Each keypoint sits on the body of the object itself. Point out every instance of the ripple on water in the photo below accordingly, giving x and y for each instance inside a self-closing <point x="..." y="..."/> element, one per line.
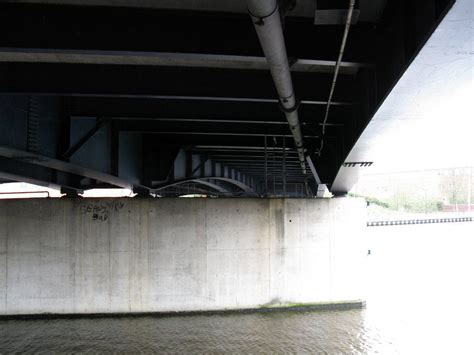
<point x="295" y="332"/>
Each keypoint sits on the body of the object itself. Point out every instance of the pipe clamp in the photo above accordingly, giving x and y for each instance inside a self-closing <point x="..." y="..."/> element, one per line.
<point x="291" y="109"/>
<point x="260" y="19"/>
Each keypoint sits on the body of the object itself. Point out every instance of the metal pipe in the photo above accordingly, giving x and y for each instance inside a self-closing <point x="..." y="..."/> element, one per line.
<point x="266" y="168"/>
<point x="284" y="169"/>
<point x="336" y="70"/>
<point x="266" y="19"/>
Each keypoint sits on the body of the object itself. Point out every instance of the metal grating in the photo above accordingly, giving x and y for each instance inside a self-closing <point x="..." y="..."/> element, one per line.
<point x="32" y="139"/>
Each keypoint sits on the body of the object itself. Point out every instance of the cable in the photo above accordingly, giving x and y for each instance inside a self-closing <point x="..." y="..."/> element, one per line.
<point x="336" y="71"/>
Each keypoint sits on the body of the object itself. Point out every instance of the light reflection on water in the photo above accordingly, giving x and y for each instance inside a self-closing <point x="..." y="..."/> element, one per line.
<point x="420" y="289"/>
<point x="418" y="301"/>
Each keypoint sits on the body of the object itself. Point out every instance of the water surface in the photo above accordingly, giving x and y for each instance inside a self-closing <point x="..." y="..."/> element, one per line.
<point x="420" y="297"/>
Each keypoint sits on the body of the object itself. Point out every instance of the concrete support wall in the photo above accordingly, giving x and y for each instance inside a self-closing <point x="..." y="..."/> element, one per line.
<point x="153" y="255"/>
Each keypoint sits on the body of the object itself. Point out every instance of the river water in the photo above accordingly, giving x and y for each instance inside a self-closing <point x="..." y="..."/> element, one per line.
<point x="419" y="300"/>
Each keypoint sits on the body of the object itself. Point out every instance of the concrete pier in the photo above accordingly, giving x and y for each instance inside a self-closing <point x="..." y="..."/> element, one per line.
<point x="163" y="255"/>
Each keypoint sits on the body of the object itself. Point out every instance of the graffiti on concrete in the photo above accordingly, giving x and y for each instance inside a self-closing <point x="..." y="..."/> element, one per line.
<point x="100" y="211"/>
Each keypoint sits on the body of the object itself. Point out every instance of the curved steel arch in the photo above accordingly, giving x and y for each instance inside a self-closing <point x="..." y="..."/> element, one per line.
<point x="203" y="181"/>
<point x="212" y="186"/>
<point x="237" y="183"/>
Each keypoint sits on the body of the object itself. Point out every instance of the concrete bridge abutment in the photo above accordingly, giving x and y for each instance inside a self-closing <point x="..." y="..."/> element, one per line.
<point x="84" y="256"/>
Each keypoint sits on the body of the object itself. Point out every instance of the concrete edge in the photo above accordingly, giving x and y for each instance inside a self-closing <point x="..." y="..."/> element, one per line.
<point x="338" y="306"/>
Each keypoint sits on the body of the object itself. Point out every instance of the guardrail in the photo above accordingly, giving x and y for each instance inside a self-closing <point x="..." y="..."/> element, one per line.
<point x="419" y="221"/>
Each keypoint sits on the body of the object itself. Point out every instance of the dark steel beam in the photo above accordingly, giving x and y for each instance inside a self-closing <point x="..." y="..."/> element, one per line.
<point x="210" y="129"/>
<point x="313" y="170"/>
<point x="211" y="120"/>
<point x="143" y="81"/>
<point x="300" y="9"/>
<point x="101" y="122"/>
<point x="190" y="133"/>
<point x="257" y="161"/>
<point x="272" y="169"/>
<point x="234" y="148"/>
<point x="153" y="30"/>
<point x="251" y="158"/>
<point x="219" y="140"/>
<point x="55" y="164"/>
<point x="197" y="109"/>
<point x="237" y="99"/>
<point x="22" y="171"/>
<point x="194" y="60"/>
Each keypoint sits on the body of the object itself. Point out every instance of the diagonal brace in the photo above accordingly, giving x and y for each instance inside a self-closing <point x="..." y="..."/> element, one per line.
<point x="101" y="122"/>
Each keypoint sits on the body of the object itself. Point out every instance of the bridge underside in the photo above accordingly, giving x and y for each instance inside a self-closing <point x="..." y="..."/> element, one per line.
<point x="178" y="99"/>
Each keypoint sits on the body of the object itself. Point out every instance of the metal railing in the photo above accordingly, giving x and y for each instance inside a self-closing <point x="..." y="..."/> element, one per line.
<point x="419" y="221"/>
